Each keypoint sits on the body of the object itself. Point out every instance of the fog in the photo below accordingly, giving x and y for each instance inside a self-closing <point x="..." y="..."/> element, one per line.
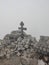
<point x="34" y="14"/>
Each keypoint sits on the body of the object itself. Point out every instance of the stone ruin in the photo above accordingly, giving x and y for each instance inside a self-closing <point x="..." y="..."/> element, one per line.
<point x="19" y="48"/>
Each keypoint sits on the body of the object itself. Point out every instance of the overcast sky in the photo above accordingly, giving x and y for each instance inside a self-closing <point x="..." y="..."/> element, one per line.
<point x="34" y="14"/>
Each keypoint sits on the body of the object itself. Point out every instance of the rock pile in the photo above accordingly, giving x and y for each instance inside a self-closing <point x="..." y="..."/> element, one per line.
<point x="13" y="44"/>
<point x="43" y="45"/>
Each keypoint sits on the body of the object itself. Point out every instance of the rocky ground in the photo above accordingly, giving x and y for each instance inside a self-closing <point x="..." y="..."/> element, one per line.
<point x="11" y="61"/>
<point x="17" y="60"/>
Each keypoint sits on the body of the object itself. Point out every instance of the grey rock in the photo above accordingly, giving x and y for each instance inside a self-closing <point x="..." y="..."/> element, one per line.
<point x="19" y="39"/>
<point x="26" y="46"/>
<point x="43" y="46"/>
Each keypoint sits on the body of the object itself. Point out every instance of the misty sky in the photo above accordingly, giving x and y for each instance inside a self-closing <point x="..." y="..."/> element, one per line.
<point x="34" y="14"/>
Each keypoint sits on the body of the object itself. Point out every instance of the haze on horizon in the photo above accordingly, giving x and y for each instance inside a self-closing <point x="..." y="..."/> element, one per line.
<point x="34" y="14"/>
